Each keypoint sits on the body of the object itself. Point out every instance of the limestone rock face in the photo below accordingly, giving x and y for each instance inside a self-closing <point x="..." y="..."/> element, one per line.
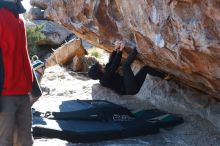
<point x="181" y="37"/>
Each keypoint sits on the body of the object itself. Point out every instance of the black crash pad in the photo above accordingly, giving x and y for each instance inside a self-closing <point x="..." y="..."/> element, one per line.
<point x="95" y="120"/>
<point x="90" y="131"/>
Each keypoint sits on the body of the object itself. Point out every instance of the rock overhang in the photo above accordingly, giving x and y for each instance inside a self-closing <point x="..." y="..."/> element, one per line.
<point x="180" y="37"/>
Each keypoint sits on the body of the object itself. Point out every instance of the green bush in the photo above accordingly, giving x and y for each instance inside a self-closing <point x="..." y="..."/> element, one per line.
<point x="95" y="54"/>
<point x="33" y="36"/>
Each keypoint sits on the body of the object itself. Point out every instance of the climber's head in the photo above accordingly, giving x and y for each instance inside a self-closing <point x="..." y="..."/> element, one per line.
<point x="13" y="5"/>
<point x="95" y="71"/>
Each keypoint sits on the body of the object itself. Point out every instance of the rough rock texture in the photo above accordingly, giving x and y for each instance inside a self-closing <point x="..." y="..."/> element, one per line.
<point x="35" y="14"/>
<point x="40" y="3"/>
<point x="77" y="64"/>
<point x="66" y="53"/>
<point x="55" y="34"/>
<point x="178" y="36"/>
<point x="174" y="97"/>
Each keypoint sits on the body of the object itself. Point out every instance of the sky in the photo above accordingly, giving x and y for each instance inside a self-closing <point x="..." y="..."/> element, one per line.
<point x="26" y="4"/>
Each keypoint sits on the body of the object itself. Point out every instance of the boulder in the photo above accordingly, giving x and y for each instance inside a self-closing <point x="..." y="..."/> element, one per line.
<point x="66" y="53"/>
<point x="40" y="3"/>
<point x="173" y="97"/>
<point x="181" y="37"/>
<point x="77" y="64"/>
<point x="35" y="14"/>
<point x="55" y="34"/>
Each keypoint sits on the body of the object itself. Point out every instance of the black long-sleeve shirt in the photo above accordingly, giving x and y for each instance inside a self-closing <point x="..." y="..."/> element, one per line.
<point x="111" y="78"/>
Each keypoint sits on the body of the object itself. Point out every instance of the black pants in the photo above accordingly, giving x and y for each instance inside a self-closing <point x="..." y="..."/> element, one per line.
<point x="133" y="82"/>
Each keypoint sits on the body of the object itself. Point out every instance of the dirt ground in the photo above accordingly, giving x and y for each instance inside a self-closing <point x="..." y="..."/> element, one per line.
<point x="60" y="84"/>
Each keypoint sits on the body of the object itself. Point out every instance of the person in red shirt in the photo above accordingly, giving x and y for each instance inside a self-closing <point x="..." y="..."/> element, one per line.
<point x="16" y="77"/>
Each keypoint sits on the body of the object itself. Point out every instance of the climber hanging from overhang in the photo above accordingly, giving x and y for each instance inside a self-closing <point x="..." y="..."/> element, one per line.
<point x="128" y="84"/>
